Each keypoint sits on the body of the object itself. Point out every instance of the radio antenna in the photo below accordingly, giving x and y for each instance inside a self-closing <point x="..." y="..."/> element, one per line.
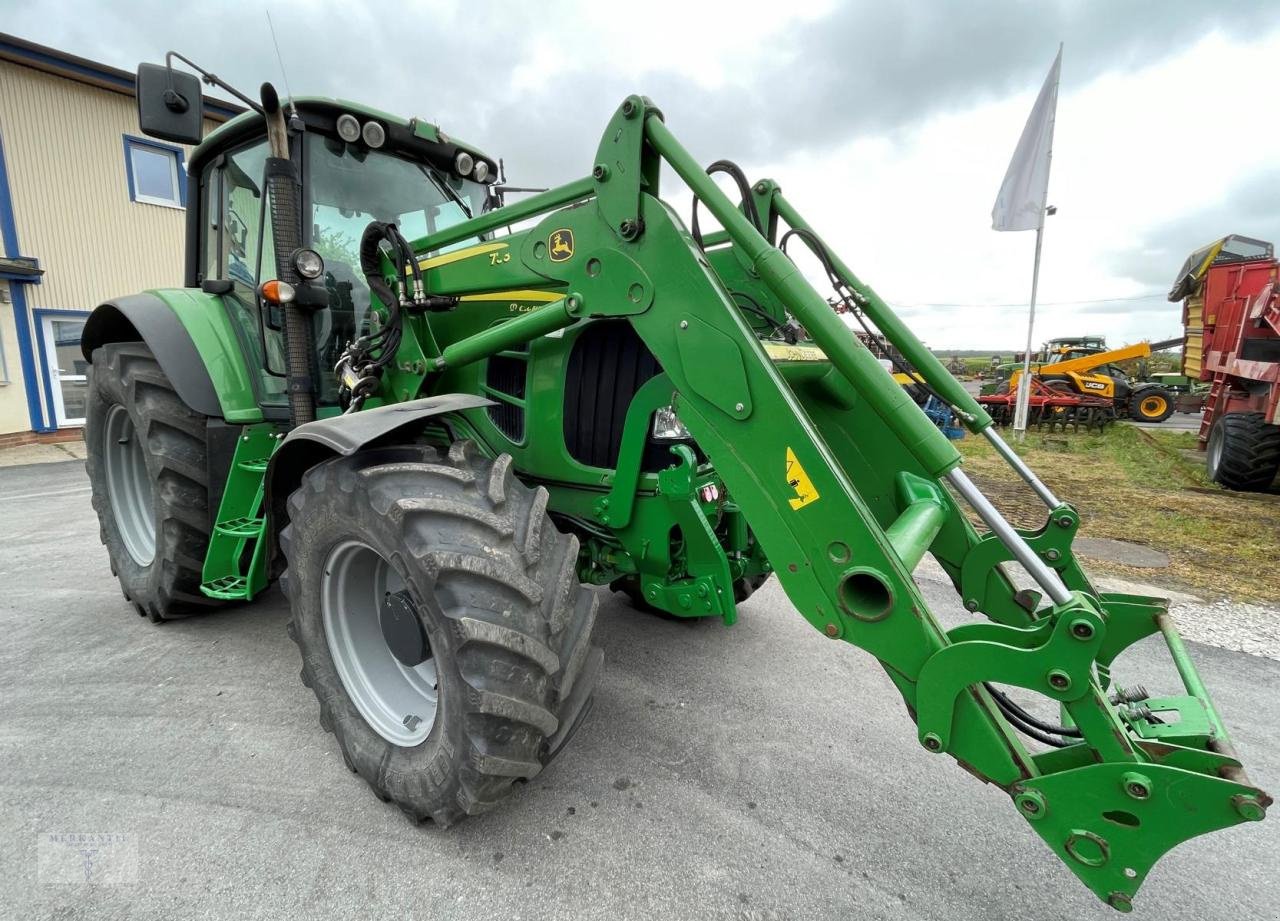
<point x="293" y="109"/>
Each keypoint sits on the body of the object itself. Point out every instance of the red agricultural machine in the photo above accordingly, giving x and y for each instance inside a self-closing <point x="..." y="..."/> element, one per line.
<point x="1231" y="313"/>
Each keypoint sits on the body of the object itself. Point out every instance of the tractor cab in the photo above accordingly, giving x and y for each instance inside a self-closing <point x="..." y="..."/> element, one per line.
<point x="282" y="199"/>
<point x="1068" y="348"/>
<point x="355" y="165"/>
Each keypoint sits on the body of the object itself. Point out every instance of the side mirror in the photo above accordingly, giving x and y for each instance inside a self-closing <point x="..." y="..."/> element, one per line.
<point x="170" y="104"/>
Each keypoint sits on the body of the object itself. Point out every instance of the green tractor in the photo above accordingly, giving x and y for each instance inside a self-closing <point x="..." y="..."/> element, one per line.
<point x="440" y="418"/>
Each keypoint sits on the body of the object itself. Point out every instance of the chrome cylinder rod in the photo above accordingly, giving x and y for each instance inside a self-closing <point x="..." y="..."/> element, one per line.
<point x="1044" y="576"/>
<point x="1002" y="447"/>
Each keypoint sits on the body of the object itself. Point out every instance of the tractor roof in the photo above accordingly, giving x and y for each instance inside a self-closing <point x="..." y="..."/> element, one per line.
<point x="413" y="135"/>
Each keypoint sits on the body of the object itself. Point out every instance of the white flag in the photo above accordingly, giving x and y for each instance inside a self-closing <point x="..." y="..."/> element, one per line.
<point x="1022" y="199"/>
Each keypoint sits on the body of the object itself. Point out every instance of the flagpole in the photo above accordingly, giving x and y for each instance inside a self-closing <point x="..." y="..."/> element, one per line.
<point x="1024" y="383"/>
<point x="1022" y="404"/>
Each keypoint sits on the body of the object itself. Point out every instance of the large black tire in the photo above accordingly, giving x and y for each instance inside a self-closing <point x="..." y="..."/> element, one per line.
<point x="1243" y="452"/>
<point x="494" y="586"/>
<point x="131" y="398"/>
<point x="1151" y="404"/>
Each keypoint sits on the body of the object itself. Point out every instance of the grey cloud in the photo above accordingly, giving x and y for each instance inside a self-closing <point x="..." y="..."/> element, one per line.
<point x="1126" y="308"/>
<point x="1250" y="207"/>
<point x="866" y="68"/>
<point x="875" y="68"/>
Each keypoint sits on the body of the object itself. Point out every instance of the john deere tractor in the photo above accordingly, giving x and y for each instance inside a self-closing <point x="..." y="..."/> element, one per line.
<point x="440" y="416"/>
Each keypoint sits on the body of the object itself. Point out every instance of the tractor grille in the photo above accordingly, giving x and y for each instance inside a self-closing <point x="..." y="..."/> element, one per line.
<point x="505" y="376"/>
<point x="608" y="364"/>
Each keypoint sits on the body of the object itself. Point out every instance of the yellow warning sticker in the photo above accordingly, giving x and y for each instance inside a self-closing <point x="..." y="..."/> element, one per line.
<point x="798" y="480"/>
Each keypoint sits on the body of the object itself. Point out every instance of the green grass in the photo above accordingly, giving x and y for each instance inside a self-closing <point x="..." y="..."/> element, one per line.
<point x="1148" y="487"/>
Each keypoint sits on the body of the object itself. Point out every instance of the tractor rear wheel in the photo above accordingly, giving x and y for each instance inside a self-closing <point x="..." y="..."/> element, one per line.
<point x="441" y="624"/>
<point x="1243" y="452"/>
<point x="146" y="456"/>
<point x="1151" y="404"/>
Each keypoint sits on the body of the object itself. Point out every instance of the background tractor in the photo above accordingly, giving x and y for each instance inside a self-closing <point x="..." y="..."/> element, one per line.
<point x="441" y="417"/>
<point x="1084" y="365"/>
<point x="1231" y="313"/>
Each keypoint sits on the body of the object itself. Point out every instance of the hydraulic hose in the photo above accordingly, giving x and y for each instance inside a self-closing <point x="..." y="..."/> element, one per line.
<point x="735" y="172"/>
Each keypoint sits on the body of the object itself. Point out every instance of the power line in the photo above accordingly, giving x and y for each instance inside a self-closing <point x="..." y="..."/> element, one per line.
<point x="1099" y="300"/>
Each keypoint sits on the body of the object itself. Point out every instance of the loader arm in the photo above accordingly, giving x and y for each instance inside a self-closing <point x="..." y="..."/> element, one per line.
<point x="847" y="485"/>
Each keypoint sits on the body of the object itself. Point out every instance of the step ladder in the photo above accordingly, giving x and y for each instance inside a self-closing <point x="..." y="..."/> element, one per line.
<point x="1210" y="413"/>
<point x="234" y="568"/>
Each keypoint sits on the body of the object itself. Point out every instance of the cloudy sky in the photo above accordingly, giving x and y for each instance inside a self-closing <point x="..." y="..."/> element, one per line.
<point x="889" y="125"/>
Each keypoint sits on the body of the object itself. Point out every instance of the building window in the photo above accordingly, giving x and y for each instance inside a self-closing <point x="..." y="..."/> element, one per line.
<point x="65" y="379"/>
<point x="155" y="173"/>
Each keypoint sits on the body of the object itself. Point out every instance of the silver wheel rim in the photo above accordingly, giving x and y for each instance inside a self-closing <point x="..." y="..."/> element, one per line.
<point x="129" y="486"/>
<point x="397" y="700"/>
<point x="1215" y="452"/>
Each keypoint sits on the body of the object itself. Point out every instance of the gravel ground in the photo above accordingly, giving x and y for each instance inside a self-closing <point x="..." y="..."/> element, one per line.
<point x="1238" y="626"/>
<point x="1251" y="628"/>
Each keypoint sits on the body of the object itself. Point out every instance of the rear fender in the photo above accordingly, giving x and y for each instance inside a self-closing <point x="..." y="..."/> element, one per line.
<point x="192" y="338"/>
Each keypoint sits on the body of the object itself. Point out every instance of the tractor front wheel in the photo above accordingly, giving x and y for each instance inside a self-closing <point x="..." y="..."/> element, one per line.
<point x="1151" y="404"/>
<point x="146" y="456"/>
<point x="441" y="624"/>
<point x="1243" y="452"/>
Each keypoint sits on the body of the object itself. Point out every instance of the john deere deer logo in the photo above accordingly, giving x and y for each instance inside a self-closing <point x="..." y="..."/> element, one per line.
<point x="561" y="245"/>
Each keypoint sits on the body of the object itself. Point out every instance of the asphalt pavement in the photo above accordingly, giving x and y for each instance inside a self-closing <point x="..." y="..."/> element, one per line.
<point x="756" y="772"/>
<point x="1178" y="422"/>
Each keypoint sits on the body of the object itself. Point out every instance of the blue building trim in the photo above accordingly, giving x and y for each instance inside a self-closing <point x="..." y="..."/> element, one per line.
<point x="18" y="295"/>
<point x="8" y="226"/>
<point x="38" y="315"/>
<point x="134" y="141"/>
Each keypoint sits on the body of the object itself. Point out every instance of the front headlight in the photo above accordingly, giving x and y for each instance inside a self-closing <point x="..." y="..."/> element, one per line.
<point x="374" y="134"/>
<point x="667" y="426"/>
<point x="463" y="163"/>
<point x="308" y="263"/>
<point x="348" y="128"/>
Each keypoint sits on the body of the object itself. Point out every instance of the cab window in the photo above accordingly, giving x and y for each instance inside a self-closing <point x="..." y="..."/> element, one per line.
<point x="239" y="248"/>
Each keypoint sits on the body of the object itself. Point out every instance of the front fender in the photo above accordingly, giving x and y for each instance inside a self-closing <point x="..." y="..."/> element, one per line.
<point x="192" y="337"/>
<point x="339" y="436"/>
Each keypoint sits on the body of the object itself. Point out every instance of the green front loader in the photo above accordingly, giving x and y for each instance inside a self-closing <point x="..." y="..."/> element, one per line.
<point x="440" y="414"/>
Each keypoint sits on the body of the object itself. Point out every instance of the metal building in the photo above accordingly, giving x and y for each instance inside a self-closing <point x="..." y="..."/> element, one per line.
<point x="89" y="209"/>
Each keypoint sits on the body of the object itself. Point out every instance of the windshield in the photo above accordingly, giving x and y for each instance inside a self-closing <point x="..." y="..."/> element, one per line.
<point x="351" y="185"/>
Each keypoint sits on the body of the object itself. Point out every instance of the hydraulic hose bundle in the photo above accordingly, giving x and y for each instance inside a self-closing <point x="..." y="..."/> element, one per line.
<point x="360" y="368"/>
